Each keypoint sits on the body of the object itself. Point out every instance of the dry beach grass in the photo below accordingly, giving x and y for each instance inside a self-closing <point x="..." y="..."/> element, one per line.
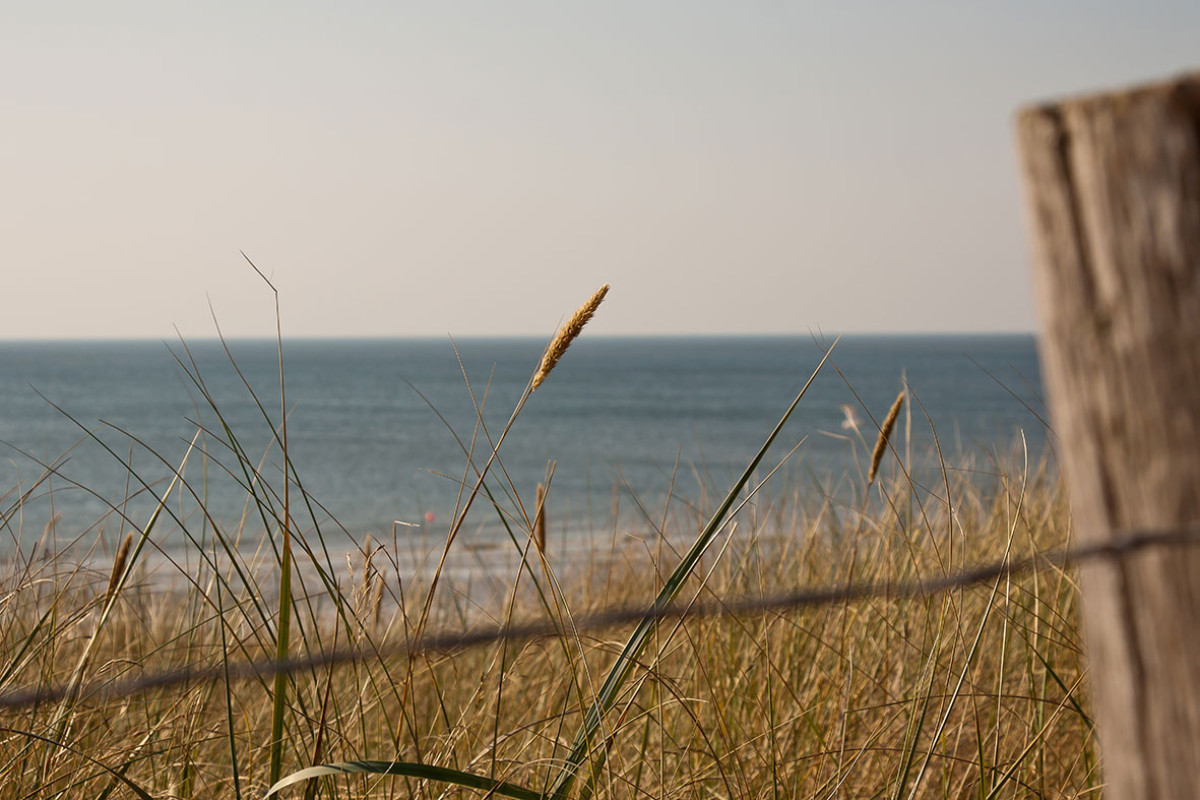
<point x="950" y="696"/>
<point x="975" y="692"/>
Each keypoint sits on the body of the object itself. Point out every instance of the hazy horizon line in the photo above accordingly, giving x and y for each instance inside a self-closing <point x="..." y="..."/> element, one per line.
<point x="830" y="336"/>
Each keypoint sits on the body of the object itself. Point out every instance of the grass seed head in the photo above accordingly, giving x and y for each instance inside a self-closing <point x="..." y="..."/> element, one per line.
<point x="885" y="433"/>
<point x="566" y="334"/>
<point x="118" y="569"/>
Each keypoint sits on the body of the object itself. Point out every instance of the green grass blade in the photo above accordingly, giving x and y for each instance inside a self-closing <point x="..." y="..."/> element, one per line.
<point x="410" y="770"/>
<point x="619" y="673"/>
<point x="1031" y="645"/>
<point x="282" y="641"/>
<point x="62" y="715"/>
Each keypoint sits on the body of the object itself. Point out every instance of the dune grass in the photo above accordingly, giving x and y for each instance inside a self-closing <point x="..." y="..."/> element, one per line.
<point x="976" y="692"/>
<point x="972" y="694"/>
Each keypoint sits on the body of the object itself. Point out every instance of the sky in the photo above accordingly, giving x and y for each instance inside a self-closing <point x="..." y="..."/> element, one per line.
<point x="479" y="168"/>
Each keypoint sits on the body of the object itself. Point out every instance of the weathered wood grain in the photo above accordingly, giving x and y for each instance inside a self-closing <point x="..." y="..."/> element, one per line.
<point x="1113" y="197"/>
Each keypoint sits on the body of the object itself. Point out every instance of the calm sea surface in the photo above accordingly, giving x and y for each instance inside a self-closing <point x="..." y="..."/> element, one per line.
<point x="621" y="418"/>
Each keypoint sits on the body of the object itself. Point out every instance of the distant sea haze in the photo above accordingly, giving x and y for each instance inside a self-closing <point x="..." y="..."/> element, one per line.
<point x="377" y="428"/>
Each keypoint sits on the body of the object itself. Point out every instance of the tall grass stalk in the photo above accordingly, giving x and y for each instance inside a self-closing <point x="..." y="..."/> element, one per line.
<point x="284" y="617"/>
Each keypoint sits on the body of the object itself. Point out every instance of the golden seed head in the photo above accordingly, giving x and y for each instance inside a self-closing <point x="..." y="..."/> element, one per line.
<point x="566" y="334"/>
<point x="118" y="567"/>
<point x="885" y="433"/>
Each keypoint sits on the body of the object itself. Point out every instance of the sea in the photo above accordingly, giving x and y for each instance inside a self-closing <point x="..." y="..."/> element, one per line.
<point x="384" y="434"/>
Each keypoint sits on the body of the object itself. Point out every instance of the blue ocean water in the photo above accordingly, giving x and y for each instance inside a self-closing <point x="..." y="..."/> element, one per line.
<point x="370" y="422"/>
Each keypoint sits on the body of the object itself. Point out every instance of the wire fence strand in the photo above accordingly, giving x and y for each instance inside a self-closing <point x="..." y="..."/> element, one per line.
<point x="1117" y="546"/>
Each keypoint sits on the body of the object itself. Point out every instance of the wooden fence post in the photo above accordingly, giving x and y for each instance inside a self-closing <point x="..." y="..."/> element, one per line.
<point x="1113" y="195"/>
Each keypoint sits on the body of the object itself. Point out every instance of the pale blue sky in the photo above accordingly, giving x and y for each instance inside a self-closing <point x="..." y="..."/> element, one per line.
<point x="480" y="168"/>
